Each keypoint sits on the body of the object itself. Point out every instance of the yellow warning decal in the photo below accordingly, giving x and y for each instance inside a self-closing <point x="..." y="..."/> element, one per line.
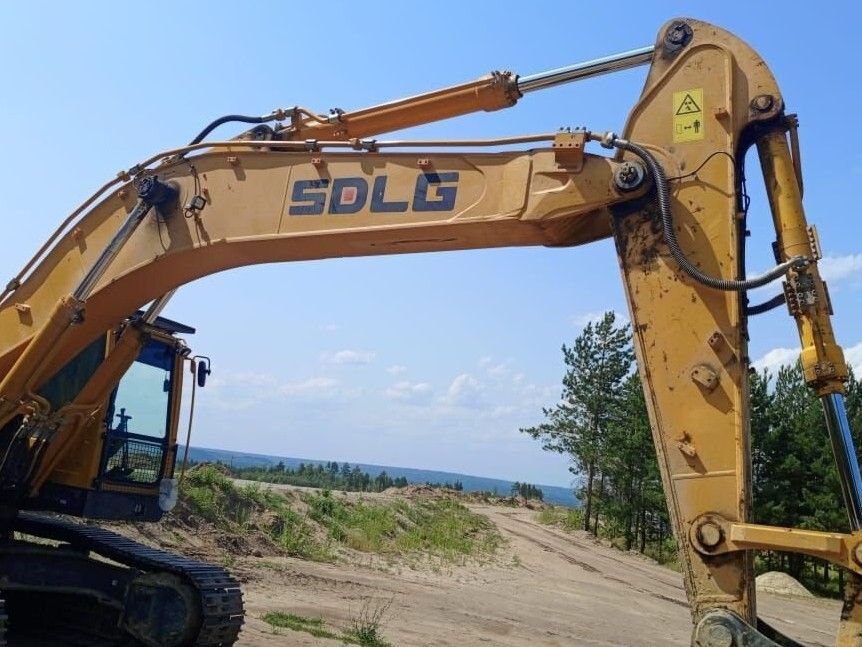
<point x="688" y="119"/>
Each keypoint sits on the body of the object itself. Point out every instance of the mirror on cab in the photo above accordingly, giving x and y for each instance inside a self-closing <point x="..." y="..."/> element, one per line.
<point x="204" y="369"/>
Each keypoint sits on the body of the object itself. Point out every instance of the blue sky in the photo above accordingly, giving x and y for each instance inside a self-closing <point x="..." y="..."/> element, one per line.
<point x="427" y="361"/>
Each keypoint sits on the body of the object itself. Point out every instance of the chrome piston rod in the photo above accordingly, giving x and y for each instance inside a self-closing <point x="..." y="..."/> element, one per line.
<point x="85" y="287"/>
<point x="612" y="63"/>
<point x="845" y="456"/>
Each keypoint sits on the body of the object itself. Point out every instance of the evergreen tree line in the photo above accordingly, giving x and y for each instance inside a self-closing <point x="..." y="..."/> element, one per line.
<point x="601" y="423"/>
<point x="527" y="491"/>
<point x="458" y="486"/>
<point x="795" y="478"/>
<point x="330" y="476"/>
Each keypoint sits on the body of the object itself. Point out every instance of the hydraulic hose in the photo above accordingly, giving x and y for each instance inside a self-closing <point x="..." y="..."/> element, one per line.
<point x="246" y="119"/>
<point x="766" y="306"/>
<point x="663" y="195"/>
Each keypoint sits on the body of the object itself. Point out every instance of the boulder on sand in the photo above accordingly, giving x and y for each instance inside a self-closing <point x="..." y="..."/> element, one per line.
<point x="782" y="584"/>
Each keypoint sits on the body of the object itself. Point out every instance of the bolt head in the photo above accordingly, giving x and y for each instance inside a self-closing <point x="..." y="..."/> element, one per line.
<point x="719" y="636"/>
<point x="676" y="34"/>
<point x="763" y="102"/>
<point x="628" y="171"/>
<point x="710" y="534"/>
<point x="629" y="176"/>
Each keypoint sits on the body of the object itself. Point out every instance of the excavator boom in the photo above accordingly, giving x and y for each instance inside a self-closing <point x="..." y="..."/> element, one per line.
<point x="315" y="186"/>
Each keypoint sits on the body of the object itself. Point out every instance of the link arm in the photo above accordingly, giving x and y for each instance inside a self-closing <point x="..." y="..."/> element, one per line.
<point x="713" y="535"/>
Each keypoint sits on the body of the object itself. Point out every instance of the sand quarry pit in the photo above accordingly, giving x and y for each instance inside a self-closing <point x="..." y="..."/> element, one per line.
<point x="545" y="586"/>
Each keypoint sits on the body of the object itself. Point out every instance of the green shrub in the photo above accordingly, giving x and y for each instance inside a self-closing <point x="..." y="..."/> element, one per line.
<point x="566" y="518"/>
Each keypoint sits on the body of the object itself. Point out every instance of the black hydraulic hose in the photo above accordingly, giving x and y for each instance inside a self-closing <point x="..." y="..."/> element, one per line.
<point x="663" y="194"/>
<point x="766" y="306"/>
<point x="227" y="119"/>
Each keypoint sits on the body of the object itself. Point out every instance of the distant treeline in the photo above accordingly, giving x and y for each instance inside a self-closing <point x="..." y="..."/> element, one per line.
<point x="329" y="476"/>
<point x="527" y="490"/>
<point x="351" y="478"/>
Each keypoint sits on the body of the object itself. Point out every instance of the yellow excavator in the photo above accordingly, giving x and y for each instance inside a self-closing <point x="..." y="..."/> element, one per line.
<point x="91" y="375"/>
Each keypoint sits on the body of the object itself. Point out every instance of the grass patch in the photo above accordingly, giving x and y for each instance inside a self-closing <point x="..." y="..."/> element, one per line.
<point x="365" y="629"/>
<point x="440" y="527"/>
<point x="311" y="525"/>
<point x="566" y="518"/>
<point x="448" y="529"/>
<point x="570" y="519"/>
<point x="314" y="626"/>
<point x="209" y="494"/>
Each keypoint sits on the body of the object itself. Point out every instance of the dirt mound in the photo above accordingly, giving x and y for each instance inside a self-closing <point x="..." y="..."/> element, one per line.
<point x="782" y="584"/>
<point x="422" y="491"/>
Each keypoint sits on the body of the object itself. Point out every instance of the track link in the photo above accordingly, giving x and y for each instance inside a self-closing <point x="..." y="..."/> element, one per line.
<point x="4" y="619"/>
<point x="220" y="595"/>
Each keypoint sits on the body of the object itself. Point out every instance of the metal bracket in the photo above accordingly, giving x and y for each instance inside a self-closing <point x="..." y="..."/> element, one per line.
<point x="814" y="242"/>
<point x="791" y="300"/>
<point x="705" y="376"/>
<point x="804" y="286"/>
<point x="568" y="149"/>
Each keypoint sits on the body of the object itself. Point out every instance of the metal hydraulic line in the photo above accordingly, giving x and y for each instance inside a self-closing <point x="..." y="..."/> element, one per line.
<point x="845" y="456"/>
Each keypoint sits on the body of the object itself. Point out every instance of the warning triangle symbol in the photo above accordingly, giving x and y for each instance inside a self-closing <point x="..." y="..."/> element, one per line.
<point x="688" y="106"/>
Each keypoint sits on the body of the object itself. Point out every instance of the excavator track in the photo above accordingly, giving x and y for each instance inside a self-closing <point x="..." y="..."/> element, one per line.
<point x="3" y="620"/>
<point x="221" y="604"/>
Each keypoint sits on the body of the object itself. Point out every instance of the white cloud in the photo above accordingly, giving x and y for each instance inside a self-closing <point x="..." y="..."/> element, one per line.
<point x="354" y="357"/>
<point x="838" y="268"/>
<point x="776" y="358"/>
<point x="853" y="354"/>
<point x="494" y="368"/>
<point x="247" y="389"/>
<point x="413" y="392"/>
<point x="465" y="391"/>
<point x="251" y="378"/>
<point x="258" y="383"/>
<point x="584" y="318"/>
<point x="397" y="369"/>
<point x="594" y="316"/>
<point x="330" y="327"/>
<point x="503" y="410"/>
<point x="313" y="386"/>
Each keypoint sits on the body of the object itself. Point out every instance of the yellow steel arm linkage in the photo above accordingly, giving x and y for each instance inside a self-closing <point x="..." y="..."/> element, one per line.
<point x="266" y="206"/>
<point x="706" y="98"/>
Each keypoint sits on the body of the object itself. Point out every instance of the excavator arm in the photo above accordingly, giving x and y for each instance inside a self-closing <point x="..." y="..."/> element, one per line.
<point x="316" y="187"/>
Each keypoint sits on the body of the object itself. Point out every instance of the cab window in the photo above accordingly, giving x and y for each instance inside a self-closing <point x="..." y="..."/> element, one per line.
<point x="138" y="417"/>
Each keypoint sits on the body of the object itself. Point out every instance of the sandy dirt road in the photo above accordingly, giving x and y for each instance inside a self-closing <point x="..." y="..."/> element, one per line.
<point x="548" y="587"/>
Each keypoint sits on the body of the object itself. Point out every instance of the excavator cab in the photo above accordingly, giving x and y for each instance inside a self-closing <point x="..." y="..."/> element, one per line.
<point x="124" y="467"/>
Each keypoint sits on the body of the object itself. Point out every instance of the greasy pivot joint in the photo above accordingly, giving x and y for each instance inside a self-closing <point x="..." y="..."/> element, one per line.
<point x="629" y="175"/>
<point x="155" y="192"/>
<point x="677" y="36"/>
<point x="722" y="628"/>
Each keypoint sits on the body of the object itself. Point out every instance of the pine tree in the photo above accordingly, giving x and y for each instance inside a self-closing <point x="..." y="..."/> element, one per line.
<point x="596" y="366"/>
<point x="629" y="462"/>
